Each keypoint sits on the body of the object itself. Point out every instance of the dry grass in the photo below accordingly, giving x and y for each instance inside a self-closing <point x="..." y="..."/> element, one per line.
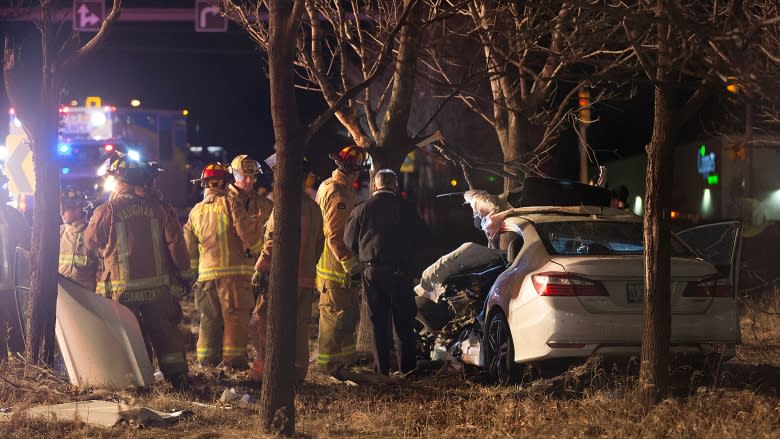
<point x="591" y="400"/>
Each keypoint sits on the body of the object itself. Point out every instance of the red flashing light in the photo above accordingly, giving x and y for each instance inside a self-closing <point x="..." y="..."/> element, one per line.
<point x="356" y="185"/>
<point x="404" y="194"/>
<point x="11" y="111"/>
<point x="108" y="148"/>
<point x="63" y="109"/>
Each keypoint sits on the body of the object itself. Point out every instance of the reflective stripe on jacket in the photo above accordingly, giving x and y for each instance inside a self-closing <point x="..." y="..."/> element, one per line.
<point x="141" y="243"/>
<point x="312" y="243"/>
<point x="75" y="262"/>
<point x="218" y="234"/>
<point x="336" y="199"/>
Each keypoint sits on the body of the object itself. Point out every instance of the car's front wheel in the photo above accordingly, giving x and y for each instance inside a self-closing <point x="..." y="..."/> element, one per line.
<point x="500" y="352"/>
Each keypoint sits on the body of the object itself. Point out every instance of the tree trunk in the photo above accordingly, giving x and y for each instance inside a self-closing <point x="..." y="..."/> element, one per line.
<point x="44" y="136"/>
<point x="653" y="372"/>
<point x="40" y="341"/>
<point x="513" y="137"/>
<point x="393" y="142"/>
<point x="277" y="399"/>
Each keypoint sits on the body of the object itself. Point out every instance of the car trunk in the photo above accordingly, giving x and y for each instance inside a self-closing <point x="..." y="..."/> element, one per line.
<point x="622" y="277"/>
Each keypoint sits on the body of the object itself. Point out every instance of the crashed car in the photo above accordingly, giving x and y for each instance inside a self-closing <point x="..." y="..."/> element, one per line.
<point x="574" y="289"/>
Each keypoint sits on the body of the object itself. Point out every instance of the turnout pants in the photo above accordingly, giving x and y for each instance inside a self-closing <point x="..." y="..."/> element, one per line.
<point x="10" y="331"/>
<point x="389" y="295"/>
<point x="224" y="304"/>
<point x="302" y="317"/>
<point x="339" y="315"/>
<point x="159" y="325"/>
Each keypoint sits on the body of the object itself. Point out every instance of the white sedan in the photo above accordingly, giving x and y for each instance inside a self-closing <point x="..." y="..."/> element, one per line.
<point x="575" y="289"/>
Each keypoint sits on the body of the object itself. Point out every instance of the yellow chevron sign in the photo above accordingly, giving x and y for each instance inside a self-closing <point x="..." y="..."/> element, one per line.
<point x="19" y="165"/>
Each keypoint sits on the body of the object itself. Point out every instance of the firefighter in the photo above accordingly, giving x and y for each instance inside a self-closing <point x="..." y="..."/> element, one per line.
<point x="144" y="257"/>
<point x="14" y="232"/>
<point x="312" y="242"/>
<point x="339" y="301"/>
<point x="245" y="171"/>
<point x="76" y="263"/>
<point x="221" y="238"/>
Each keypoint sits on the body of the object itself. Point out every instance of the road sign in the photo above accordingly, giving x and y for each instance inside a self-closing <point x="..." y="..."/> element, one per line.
<point x="19" y="165"/>
<point x="208" y="17"/>
<point x="88" y="15"/>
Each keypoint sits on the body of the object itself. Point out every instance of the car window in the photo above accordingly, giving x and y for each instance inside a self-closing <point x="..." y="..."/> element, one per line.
<point x="583" y="238"/>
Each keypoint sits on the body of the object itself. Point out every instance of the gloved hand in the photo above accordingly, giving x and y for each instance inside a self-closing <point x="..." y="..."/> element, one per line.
<point x="356" y="274"/>
<point x="259" y="283"/>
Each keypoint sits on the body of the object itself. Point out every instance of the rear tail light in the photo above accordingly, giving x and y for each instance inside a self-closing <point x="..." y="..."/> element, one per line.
<point x="564" y="284"/>
<point x="712" y="287"/>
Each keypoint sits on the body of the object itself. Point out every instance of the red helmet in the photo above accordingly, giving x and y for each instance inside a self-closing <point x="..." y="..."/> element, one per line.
<point x="352" y="158"/>
<point x="213" y="171"/>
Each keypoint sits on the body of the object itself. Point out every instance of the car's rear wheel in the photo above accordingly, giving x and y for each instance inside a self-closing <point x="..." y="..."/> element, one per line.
<point x="500" y="355"/>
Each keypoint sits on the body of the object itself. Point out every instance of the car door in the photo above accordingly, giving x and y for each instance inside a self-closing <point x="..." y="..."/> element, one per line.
<point x="719" y="244"/>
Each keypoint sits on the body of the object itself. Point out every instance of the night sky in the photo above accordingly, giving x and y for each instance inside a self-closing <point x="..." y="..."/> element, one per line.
<point x="220" y="78"/>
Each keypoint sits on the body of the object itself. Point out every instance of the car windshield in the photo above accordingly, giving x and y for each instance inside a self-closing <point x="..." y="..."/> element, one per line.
<point x="583" y="238"/>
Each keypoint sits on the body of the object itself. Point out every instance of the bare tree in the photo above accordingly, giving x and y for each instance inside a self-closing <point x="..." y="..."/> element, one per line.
<point x="277" y="400"/>
<point x="687" y="50"/>
<point x="39" y="112"/>
<point x="535" y="56"/>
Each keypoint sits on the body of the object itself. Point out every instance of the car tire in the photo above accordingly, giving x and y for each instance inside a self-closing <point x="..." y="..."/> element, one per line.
<point x="500" y="351"/>
<point x="432" y="315"/>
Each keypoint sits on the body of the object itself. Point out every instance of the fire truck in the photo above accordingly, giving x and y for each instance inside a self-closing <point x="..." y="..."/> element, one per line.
<point x="88" y="135"/>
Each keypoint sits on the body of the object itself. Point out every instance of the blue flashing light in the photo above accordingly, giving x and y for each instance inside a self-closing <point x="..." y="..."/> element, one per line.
<point x="63" y="148"/>
<point x="65" y="171"/>
<point x="133" y="155"/>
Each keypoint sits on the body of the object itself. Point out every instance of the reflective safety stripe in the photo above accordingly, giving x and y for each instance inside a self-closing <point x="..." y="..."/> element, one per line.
<point x="122" y="253"/>
<point x="211" y="273"/>
<point x="172" y="358"/>
<point x="66" y="259"/>
<point x="139" y="284"/>
<point x="233" y="351"/>
<point x="323" y="272"/>
<point x="194" y="264"/>
<point x="205" y="353"/>
<point x="222" y="237"/>
<point x="156" y="240"/>
<point x="326" y="358"/>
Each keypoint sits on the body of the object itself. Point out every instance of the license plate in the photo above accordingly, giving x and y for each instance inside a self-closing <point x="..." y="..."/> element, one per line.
<point x="635" y="292"/>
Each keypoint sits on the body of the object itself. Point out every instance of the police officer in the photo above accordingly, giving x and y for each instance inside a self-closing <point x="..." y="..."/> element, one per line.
<point x="383" y="233"/>
<point x="14" y="232"/>
<point x="144" y="257"/>
<point x="221" y="238"/>
<point x="339" y="300"/>
<point x="76" y="263"/>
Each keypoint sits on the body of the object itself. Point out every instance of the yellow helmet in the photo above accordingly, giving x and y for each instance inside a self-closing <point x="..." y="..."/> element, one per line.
<point x="245" y="165"/>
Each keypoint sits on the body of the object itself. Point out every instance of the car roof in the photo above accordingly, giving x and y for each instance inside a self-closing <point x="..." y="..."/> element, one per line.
<point x="544" y="214"/>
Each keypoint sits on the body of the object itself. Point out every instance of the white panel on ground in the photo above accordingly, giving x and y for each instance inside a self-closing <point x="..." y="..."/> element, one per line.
<point x="100" y="340"/>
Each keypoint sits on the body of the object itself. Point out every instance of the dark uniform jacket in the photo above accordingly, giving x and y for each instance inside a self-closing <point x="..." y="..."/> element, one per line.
<point x="385" y="230"/>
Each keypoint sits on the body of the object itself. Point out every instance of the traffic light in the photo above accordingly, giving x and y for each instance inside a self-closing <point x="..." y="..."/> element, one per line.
<point x="584" y="105"/>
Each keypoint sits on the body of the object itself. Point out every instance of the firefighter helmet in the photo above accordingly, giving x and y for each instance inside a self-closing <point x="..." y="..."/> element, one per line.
<point x="213" y="171"/>
<point x="245" y="165"/>
<point x="352" y="158"/>
<point x="132" y="172"/>
<point x="71" y="197"/>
